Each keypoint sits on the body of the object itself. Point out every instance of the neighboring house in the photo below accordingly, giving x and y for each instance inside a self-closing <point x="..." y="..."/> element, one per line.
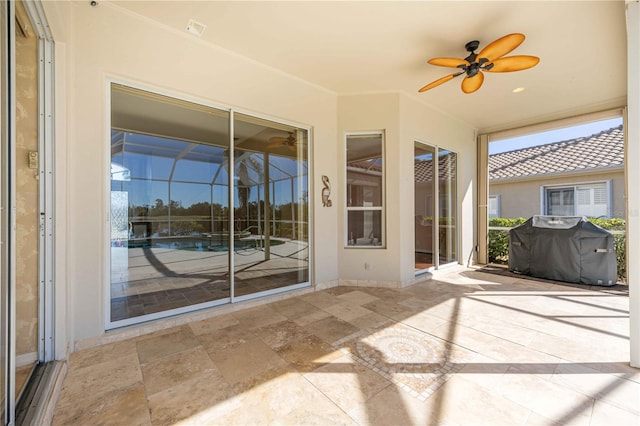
<point x="581" y="177"/>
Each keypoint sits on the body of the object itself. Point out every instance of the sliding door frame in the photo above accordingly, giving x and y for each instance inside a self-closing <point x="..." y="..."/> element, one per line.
<point x="233" y="298"/>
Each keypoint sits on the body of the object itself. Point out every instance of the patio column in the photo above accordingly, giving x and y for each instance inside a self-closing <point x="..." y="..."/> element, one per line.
<point x="633" y="176"/>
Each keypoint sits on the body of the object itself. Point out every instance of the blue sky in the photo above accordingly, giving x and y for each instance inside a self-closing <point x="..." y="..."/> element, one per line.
<point x="553" y="136"/>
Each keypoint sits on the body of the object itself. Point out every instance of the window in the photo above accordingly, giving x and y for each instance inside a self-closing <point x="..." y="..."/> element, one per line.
<point x="591" y="200"/>
<point x="365" y="190"/>
<point x="494" y="206"/>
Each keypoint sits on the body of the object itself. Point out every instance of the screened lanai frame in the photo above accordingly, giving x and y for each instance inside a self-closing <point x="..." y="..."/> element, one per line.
<point x="277" y="174"/>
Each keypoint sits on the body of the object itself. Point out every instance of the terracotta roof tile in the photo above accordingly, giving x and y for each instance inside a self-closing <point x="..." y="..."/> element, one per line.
<point x="601" y="150"/>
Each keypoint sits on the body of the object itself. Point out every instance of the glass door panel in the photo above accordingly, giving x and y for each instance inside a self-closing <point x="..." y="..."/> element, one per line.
<point x="271" y="236"/>
<point x="423" y="206"/>
<point x="169" y="204"/>
<point x="4" y="208"/>
<point x="26" y="199"/>
<point x="447" y="200"/>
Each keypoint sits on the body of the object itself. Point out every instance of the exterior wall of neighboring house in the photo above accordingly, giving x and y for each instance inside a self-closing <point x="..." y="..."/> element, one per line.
<point x="523" y="197"/>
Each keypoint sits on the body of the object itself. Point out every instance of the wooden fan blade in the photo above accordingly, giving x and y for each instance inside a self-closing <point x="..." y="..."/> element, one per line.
<point x="448" y="62"/>
<point x="438" y="82"/>
<point x="471" y="84"/>
<point x="514" y="63"/>
<point x="501" y="46"/>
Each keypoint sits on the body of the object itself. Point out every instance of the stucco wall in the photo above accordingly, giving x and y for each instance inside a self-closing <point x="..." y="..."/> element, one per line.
<point x="106" y="42"/>
<point x="404" y="120"/>
<point x="522" y="198"/>
<point x="360" y="113"/>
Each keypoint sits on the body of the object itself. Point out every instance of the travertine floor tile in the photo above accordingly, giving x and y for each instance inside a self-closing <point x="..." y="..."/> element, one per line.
<point x="213" y="324"/>
<point x="356" y="297"/>
<point x="188" y="399"/>
<point x="244" y="361"/>
<point x="332" y="329"/>
<point x="346" y="382"/>
<point x="174" y="369"/>
<point x="308" y="353"/>
<point x="166" y="344"/>
<point x="278" y="335"/>
<point x="468" y="348"/>
<point x="122" y="406"/>
<point x="91" y="382"/>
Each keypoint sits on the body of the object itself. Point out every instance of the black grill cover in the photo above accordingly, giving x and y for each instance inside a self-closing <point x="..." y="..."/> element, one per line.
<point x="563" y="248"/>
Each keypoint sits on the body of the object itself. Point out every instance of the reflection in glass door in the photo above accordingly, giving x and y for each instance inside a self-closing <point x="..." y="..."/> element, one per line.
<point x="435" y="207"/>
<point x="169" y="204"/>
<point x="270" y="245"/>
<point x="423" y="206"/>
<point x="177" y="216"/>
<point x="447" y="205"/>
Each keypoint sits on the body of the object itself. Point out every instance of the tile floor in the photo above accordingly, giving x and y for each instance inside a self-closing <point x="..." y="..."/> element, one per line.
<point x="466" y="347"/>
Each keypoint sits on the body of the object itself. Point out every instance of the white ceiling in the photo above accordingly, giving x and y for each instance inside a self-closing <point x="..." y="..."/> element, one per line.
<point x="363" y="46"/>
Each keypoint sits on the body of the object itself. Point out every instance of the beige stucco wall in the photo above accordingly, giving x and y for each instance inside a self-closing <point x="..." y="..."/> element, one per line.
<point x="404" y="120"/>
<point x="106" y="42"/>
<point x="26" y="192"/>
<point x="522" y="198"/>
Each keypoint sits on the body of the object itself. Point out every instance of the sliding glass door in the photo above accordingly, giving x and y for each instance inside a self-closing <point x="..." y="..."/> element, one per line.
<point x="271" y="247"/>
<point x="447" y="205"/>
<point x="435" y="207"/>
<point x="4" y="211"/>
<point x="186" y="209"/>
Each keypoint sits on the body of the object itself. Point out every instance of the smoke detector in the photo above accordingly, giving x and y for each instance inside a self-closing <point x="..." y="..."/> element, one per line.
<point x="195" y="27"/>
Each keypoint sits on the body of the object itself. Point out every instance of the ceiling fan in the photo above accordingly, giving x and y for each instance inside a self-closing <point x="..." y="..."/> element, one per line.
<point x="489" y="59"/>
<point x="278" y="142"/>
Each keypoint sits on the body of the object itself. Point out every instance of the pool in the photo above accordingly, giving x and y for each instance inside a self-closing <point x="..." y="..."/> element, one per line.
<point x="194" y="243"/>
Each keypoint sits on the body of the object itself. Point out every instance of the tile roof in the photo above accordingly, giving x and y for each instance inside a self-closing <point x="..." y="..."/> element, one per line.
<point x="423" y="170"/>
<point x="599" y="151"/>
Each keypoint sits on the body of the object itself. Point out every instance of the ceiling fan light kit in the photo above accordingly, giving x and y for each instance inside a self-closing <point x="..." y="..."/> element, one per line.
<point x="490" y="59"/>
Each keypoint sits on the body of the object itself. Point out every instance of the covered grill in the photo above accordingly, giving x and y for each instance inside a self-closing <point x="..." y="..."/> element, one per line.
<point x="562" y="248"/>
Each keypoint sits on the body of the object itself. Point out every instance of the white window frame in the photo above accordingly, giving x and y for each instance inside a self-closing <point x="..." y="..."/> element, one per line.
<point x="497" y="199"/>
<point x="381" y="208"/>
<point x="544" y="210"/>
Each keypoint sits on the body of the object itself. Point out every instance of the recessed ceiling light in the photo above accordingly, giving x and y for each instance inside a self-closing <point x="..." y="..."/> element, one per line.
<point x="518" y="90"/>
<point x="195" y="27"/>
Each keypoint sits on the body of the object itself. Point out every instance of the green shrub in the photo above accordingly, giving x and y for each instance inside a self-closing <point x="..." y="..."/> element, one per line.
<point x="499" y="240"/>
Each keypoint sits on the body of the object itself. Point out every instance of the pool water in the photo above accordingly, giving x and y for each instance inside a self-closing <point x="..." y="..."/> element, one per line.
<point x="205" y="244"/>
